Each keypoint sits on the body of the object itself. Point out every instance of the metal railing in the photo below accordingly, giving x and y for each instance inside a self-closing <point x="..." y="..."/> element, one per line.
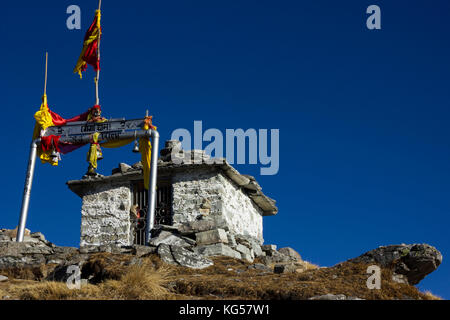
<point x="163" y="210"/>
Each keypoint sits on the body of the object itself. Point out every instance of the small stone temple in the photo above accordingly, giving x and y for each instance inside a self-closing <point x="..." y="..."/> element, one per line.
<point x="191" y="189"/>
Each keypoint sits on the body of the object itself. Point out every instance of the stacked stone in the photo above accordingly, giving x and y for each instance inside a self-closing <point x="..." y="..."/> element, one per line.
<point x="35" y="250"/>
<point x="211" y="237"/>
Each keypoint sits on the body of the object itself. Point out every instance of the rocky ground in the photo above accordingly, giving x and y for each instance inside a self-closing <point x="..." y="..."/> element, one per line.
<point x="192" y="262"/>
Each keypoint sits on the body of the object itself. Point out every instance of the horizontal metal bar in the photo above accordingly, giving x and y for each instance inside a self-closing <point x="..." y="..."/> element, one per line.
<point x="106" y="136"/>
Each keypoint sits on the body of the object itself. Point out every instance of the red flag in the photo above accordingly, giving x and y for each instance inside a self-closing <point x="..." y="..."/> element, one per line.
<point x="89" y="54"/>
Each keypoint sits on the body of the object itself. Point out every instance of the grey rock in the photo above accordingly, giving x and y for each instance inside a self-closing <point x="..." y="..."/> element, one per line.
<point x="287" y="251"/>
<point x="243" y="249"/>
<point x="275" y="257"/>
<point x="414" y="261"/>
<point x="211" y="237"/>
<point x="260" y="266"/>
<point x="66" y="250"/>
<point x="285" y="268"/>
<point x="165" y="227"/>
<point x="171" y="147"/>
<point x="89" y="249"/>
<point x="399" y="278"/>
<point x="38" y="235"/>
<point x="3" y="278"/>
<point x="218" y="249"/>
<point x="189" y="259"/>
<point x="165" y="253"/>
<point x="246" y="257"/>
<point x="257" y="250"/>
<point x="169" y="238"/>
<point x="4" y="237"/>
<point x="16" y="249"/>
<point x="177" y="255"/>
<point x="31" y="239"/>
<point x="137" y="166"/>
<point x="231" y="240"/>
<point x="269" y="248"/>
<point x="62" y="272"/>
<point x="143" y="251"/>
<point x="7" y="262"/>
<point x="197" y="226"/>
<point x="124" y="167"/>
<point x="252" y="243"/>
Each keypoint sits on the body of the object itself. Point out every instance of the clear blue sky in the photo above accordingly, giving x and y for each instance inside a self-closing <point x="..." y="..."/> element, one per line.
<point x="363" y="115"/>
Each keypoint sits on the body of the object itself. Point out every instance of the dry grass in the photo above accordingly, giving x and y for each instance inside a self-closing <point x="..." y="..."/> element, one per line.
<point x="139" y="282"/>
<point x="228" y="281"/>
<point x="432" y="296"/>
<point x="117" y="277"/>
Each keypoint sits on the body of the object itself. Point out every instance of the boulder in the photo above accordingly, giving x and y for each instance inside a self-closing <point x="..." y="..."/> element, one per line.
<point x="211" y="237"/>
<point x="287" y="251"/>
<point x="289" y="267"/>
<point x="218" y="249"/>
<point x="243" y="249"/>
<point x="177" y="255"/>
<point x="62" y="272"/>
<point x="143" y="251"/>
<point x="231" y="240"/>
<point x="189" y="259"/>
<point x="3" y="278"/>
<point x="275" y="257"/>
<point x="169" y="238"/>
<point x="124" y="167"/>
<point x="414" y="261"/>
<point x="38" y="235"/>
<point x="207" y="224"/>
<point x="260" y="266"/>
<point x="269" y="247"/>
<point x="165" y="254"/>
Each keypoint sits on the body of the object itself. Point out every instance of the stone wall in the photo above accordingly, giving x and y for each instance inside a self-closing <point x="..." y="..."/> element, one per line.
<point x="191" y="188"/>
<point x="240" y="212"/>
<point x="206" y="192"/>
<point x="105" y="215"/>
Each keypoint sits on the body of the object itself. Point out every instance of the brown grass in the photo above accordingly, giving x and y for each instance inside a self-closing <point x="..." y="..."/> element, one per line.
<point x="432" y="296"/>
<point x="139" y="282"/>
<point x="118" y="277"/>
<point x="349" y="279"/>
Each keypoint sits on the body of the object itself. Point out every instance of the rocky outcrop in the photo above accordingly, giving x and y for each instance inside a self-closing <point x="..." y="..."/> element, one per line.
<point x="181" y="256"/>
<point x="410" y="261"/>
<point x="176" y="246"/>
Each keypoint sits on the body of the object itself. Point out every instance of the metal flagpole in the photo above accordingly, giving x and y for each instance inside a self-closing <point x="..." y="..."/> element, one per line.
<point x="30" y="174"/>
<point x="97" y="77"/>
<point x="27" y="190"/>
<point x="152" y="186"/>
<point x="45" y="81"/>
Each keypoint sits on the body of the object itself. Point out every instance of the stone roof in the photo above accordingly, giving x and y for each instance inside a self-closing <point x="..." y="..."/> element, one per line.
<point x="125" y="172"/>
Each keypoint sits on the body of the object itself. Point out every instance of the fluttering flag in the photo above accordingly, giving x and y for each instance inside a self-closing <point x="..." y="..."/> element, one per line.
<point x="89" y="53"/>
<point x="46" y="118"/>
<point x="145" y="148"/>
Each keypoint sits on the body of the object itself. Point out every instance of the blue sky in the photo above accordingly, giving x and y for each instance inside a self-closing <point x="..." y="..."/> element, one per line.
<point x="363" y="115"/>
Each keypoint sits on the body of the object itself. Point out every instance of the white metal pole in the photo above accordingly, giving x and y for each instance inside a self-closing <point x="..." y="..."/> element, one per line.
<point x="152" y="186"/>
<point x="97" y="78"/>
<point x="27" y="191"/>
